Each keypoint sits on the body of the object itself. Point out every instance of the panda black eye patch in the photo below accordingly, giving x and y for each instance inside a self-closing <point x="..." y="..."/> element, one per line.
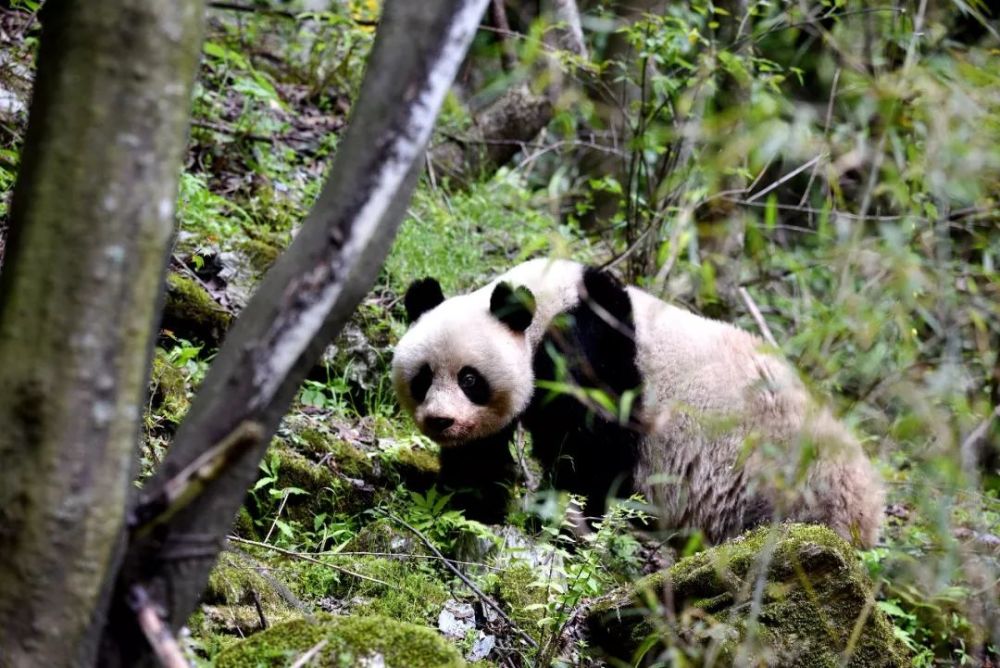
<point x="421" y="383"/>
<point x="474" y="385"/>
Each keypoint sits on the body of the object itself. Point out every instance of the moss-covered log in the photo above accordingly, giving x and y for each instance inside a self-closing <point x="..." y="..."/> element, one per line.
<point x="90" y="225"/>
<point x="190" y="311"/>
<point x="789" y="596"/>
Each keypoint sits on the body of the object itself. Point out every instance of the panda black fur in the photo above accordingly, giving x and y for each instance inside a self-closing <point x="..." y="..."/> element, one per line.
<point x="708" y="427"/>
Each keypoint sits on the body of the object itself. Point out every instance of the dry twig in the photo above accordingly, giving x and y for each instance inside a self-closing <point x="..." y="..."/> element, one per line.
<point x="757" y="316"/>
<point x="306" y="557"/>
<point x="309" y="655"/>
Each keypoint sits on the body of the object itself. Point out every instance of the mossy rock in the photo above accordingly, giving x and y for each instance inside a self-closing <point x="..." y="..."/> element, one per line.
<point x="237" y="585"/>
<point x="243" y="525"/>
<point x="402" y="589"/>
<point x="261" y="253"/>
<point x="190" y="312"/>
<point x="416" y="468"/>
<point x="297" y="470"/>
<point x="319" y="486"/>
<point x="349" y="641"/>
<point x="347" y="459"/>
<point x="815" y="609"/>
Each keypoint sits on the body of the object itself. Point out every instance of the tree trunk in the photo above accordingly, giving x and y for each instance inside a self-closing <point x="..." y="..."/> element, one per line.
<point x="91" y="222"/>
<point x="302" y="303"/>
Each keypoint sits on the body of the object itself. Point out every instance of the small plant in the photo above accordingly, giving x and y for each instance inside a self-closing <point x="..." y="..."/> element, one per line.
<point x="427" y="513"/>
<point x="586" y="568"/>
<point x="271" y="499"/>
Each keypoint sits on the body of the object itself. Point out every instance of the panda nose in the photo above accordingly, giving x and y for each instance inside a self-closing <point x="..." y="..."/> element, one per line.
<point x="438" y="424"/>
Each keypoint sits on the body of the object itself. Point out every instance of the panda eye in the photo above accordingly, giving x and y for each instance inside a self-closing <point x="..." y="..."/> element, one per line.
<point x="474" y="385"/>
<point x="467" y="379"/>
<point x="421" y="383"/>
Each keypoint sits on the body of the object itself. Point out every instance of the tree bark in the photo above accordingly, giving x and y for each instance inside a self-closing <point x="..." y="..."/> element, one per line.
<point x="91" y="222"/>
<point x="302" y="303"/>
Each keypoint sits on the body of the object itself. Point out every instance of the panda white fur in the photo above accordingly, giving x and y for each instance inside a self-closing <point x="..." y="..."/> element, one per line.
<point x="716" y="432"/>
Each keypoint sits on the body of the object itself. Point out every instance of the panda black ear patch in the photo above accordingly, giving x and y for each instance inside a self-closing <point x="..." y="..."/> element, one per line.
<point x="513" y="307"/>
<point x="422" y="296"/>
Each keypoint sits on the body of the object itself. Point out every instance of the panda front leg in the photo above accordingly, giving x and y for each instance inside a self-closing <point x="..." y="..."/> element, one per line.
<point x="480" y="475"/>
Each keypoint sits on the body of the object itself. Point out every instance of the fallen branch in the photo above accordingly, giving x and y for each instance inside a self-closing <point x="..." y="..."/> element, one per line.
<point x="468" y="583"/>
<point x="239" y="133"/>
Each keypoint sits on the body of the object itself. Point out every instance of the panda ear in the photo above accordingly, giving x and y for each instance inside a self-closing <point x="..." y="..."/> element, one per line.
<point x="422" y="296"/>
<point x="513" y="307"/>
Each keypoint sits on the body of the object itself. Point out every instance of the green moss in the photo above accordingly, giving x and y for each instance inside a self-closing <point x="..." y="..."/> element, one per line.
<point x="243" y="525"/>
<point x="815" y="593"/>
<point x="417" y="468"/>
<point x="206" y="634"/>
<point x="515" y="588"/>
<point x="234" y="580"/>
<point x="189" y="309"/>
<point x="235" y="587"/>
<point x="400" y="589"/>
<point x="297" y="470"/>
<point x="168" y="388"/>
<point x="261" y="254"/>
<point x="347" y="459"/>
<point x="350" y="641"/>
<point x="322" y="490"/>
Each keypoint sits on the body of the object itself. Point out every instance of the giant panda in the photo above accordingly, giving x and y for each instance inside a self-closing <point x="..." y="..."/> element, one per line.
<point x="623" y="393"/>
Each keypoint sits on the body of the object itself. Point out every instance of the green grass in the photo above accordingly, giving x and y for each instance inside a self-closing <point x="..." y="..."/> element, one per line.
<point x="465" y="238"/>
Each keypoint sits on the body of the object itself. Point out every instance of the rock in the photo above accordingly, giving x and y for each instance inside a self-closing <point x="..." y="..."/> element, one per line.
<point x="806" y="613"/>
<point x="456" y="618"/>
<point x="482" y="647"/>
<point x="349" y="641"/>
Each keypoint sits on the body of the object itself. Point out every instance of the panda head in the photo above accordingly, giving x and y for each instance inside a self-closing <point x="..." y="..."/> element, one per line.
<point x="464" y="368"/>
